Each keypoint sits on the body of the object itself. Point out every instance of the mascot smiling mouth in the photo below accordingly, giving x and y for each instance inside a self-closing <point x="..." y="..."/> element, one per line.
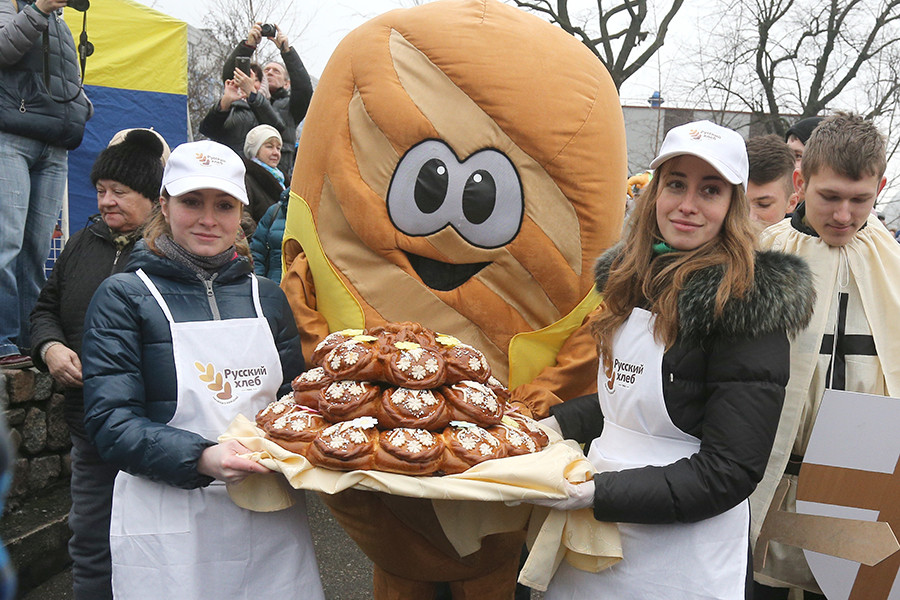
<point x="443" y="276"/>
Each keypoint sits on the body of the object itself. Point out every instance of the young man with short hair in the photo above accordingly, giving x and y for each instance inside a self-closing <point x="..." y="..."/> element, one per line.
<point x="770" y="190"/>
<point x="849" y="343"/>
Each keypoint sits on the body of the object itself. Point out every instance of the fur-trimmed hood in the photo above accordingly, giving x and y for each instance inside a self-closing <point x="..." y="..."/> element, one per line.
<point x="781" y="299"/>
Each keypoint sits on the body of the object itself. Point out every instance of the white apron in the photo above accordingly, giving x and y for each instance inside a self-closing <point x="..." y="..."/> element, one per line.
<point x="169" y="543"/>
<point x="679" y="561"/>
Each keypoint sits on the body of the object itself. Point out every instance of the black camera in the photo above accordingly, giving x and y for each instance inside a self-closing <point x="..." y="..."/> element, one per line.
<point x="81" y="5"/>
<point x="268" y="30"/>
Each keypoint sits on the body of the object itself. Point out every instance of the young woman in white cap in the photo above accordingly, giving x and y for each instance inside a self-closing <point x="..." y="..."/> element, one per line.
<point x="693" y="337"/>
<point x="174" y="349"/>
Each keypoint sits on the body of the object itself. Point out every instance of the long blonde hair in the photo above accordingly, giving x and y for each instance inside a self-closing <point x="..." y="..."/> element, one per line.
<point x="156" y="225"/>
<point x="639" y="278"/>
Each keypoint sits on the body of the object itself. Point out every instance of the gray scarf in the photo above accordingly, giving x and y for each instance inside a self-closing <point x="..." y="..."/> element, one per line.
<point x="203" y="266"/>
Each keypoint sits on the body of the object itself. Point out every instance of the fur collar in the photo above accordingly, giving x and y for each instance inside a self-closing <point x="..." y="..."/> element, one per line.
<point x="781" y="299"/>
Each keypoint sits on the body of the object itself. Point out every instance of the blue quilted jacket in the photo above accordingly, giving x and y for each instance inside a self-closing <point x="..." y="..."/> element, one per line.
<point x="266" y="242"/>
<point x="129" y="369"/>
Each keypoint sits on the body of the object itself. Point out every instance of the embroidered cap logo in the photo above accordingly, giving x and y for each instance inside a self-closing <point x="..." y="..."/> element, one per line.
<point x="701" y="134"/>
<point x="207" y="159"/>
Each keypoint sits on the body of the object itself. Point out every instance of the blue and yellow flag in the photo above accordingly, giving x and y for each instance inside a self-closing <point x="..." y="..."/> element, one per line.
<point x="136" y="77"/>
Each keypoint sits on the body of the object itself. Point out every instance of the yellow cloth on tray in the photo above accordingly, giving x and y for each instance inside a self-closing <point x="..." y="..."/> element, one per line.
<point x="469" y="505"/>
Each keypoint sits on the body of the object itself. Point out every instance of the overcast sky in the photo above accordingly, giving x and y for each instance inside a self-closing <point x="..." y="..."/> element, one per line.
<point x="325" y="22"/>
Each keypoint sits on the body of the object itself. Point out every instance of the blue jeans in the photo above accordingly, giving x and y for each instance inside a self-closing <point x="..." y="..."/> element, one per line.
<point x="32" y="184"/>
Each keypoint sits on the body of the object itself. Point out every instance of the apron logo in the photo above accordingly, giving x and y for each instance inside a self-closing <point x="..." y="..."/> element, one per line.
<point x="623" y="373"/>
<point x="222" y="382"/>
<point x="610" y="379"/>
<point x="215" y="382"/>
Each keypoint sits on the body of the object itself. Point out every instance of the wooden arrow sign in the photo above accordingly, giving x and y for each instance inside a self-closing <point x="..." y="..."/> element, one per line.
<point x="848" y="498"/>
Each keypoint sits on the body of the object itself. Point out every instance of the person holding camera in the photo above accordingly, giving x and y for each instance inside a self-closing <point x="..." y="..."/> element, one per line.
<point x="242" y="107"/>
<point x="290" y="88"/>
<point x="42" y="116"/>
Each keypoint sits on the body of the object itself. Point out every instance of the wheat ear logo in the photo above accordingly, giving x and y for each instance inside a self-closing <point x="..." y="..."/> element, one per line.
<point x="214" y="380"/>
<point x="610" y="378"/>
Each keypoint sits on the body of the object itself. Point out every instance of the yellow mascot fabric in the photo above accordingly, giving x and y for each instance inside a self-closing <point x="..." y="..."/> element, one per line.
<point x="461" y="166"/>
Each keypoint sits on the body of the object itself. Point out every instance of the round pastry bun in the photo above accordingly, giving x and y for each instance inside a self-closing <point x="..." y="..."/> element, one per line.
<point x="347" y="446"/>
<point x="347" y="400"/>
<point x="467" y="445"/>
<point x="473" y="402"/>
<point x="409" y="451"/>
<point x="403" y="407"/>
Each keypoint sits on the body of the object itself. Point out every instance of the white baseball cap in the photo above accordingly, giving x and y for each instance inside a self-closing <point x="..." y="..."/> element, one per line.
<point x="721" y="147"/>
<point x="205" y="165"/>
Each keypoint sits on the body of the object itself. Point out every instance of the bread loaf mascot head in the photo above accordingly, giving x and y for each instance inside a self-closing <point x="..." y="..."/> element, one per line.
<point x="461" y="166"/>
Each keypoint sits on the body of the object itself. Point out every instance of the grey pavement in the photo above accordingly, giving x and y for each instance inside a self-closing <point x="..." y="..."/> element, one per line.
<point x="346" y="572"/>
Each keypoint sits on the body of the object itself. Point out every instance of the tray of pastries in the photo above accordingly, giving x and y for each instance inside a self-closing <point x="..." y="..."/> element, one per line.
<point x="398" y="399"/>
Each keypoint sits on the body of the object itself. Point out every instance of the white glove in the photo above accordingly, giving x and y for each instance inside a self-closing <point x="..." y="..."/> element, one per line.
<point x="552" y="423"/>
<point x="580" y="495"/>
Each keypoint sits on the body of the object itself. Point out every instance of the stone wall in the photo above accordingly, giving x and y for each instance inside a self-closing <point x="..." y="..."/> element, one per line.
<point x="38" y="431"/>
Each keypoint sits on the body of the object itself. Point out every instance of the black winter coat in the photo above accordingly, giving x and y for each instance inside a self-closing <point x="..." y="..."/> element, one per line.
<point x="89" y="257"/>
<point x="723" y="382"/>
<point x="230" y="127"/>
<point x="129" y="369"/>
<point x="263" y="190"/>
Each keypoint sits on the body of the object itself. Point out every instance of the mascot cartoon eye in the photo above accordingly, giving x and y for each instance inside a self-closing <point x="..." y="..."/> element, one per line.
<point x="431" y="186"/>
<point x="480" y="197"/>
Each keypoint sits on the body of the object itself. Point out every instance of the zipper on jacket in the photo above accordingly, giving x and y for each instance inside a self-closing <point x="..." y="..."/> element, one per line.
<point x="22" y="106"/>
<point x="212" y="297"/>
<point x="115" y="261"/>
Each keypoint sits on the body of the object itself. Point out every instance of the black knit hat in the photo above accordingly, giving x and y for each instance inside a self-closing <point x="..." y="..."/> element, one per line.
<point x="136" y="161"/>
<point x="803" y="128"/>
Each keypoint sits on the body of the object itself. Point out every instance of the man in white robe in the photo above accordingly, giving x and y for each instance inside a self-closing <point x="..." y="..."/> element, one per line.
<point x="848" y="344"/>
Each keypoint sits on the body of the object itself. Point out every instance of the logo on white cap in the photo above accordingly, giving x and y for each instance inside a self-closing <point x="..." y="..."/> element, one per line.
<point x="700" y="134"/>
<point x="208" y="159"/>
<point x="722" y="148"/>
<point x="205" y="164"/>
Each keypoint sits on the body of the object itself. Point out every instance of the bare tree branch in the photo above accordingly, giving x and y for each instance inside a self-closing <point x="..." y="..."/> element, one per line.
<point x="616" y="33"/>
<point x="805" y="56"/>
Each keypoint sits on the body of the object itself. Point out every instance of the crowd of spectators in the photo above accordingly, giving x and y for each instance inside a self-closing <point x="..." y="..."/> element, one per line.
<point x="252" y="130"/>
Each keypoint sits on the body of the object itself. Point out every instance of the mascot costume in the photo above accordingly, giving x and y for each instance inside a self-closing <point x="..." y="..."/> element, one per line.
<point x="461" y="166"/>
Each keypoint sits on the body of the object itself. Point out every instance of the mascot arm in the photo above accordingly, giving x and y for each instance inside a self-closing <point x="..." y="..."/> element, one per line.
<point x="298" y="286"/>
<point x="573" y="375"/>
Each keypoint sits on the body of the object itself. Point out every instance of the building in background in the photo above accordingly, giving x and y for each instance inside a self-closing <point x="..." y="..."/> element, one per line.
<point x="646" y="126"/>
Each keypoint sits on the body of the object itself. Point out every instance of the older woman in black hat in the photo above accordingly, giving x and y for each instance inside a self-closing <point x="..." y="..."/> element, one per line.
<point x="127" y="176"/>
